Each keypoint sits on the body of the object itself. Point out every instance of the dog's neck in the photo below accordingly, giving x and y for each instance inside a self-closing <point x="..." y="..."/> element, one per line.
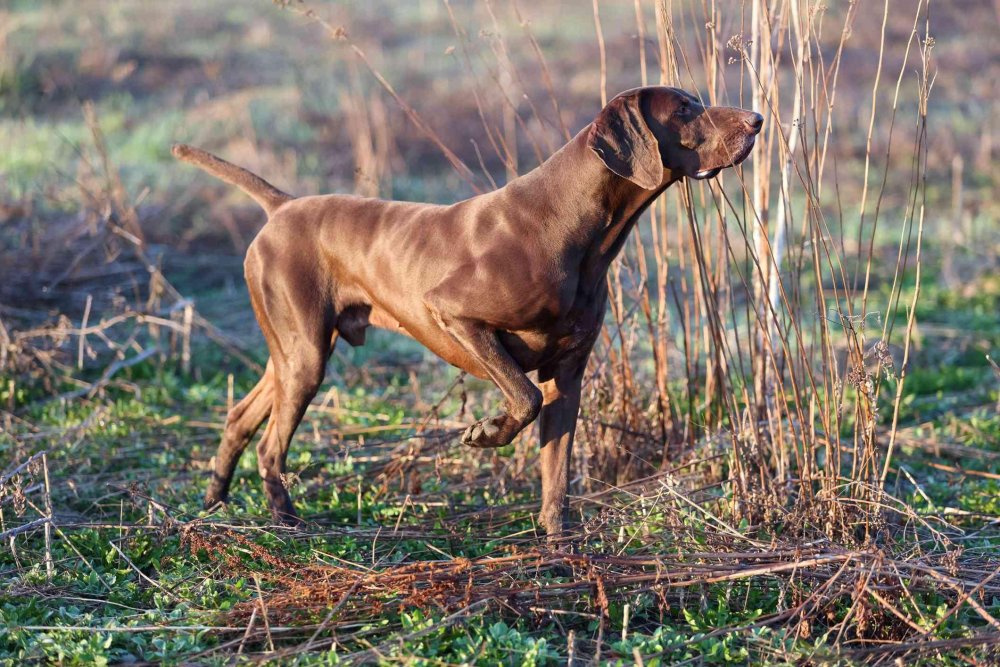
<point x="592" y="209"/>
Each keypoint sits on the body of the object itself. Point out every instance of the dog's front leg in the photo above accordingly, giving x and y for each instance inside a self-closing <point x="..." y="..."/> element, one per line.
<point x="560" y="385"/>
<point x="523" y="399"/>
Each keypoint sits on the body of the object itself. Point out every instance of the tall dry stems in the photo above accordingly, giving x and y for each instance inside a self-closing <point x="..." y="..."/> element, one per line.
<point x="743" y="308"/>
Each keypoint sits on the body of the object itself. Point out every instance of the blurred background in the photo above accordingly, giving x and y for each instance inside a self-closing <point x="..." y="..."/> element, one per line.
<point x="499" y="84"/>
<point x="274" y="91"/>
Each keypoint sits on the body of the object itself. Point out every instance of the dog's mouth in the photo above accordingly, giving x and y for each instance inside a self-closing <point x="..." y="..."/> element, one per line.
<point x="706" y="173"/>
<point x="742" y="154"/>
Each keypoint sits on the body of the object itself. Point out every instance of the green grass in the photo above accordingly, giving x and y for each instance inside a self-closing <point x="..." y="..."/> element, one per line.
<point x="128" y="469"/>
<point x="107" y="458"/>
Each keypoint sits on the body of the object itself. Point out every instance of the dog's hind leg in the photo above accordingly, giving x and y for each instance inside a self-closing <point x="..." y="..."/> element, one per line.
<point x="242" y="423"/>
<point x="298" y="321"/>
<point x="297" y="379"/>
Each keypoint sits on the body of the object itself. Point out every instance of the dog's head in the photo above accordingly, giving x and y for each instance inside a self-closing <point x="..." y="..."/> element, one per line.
<point x="644" y="133"/>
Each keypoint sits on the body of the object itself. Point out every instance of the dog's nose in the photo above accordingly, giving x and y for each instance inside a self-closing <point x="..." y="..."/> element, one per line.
<point x="754" y="121"/>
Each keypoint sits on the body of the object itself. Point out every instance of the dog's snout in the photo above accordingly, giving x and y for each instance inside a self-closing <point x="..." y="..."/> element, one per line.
<point x="754" y="121"/>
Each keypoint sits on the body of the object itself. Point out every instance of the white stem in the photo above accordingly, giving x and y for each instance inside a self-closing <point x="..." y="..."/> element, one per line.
<point x="784" y="211"/>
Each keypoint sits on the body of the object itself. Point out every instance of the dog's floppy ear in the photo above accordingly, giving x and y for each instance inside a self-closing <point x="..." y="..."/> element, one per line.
<point x="620" y="137"/>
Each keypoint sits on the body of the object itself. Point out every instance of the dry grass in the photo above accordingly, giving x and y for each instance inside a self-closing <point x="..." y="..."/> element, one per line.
<point x="745" y="410"/>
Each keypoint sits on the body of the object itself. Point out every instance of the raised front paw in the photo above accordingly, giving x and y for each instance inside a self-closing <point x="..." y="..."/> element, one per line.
<point x="488" y="432"/>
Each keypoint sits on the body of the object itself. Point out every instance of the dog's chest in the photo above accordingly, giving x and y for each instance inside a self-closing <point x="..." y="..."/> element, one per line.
<point x="570" y="334"/>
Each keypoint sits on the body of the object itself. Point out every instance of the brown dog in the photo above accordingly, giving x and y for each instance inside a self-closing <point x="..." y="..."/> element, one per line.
<point x="498" y="285"/>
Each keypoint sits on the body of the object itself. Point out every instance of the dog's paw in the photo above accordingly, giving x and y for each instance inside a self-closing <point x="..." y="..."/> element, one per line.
<point x="486" y="433"/>
<point x="287" y="518"/>
<point x="214" y="499"/>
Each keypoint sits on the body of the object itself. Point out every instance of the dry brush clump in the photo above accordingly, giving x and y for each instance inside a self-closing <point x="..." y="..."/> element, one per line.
<point x="85" y="292"/>
<point x="660" y="565"/>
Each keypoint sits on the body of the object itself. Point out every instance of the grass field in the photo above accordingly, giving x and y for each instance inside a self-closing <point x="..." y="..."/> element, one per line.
<point x="789" y="445"/>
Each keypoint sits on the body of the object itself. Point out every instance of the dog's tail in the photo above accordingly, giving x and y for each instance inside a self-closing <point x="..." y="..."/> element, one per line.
<point x="265" y="194"/>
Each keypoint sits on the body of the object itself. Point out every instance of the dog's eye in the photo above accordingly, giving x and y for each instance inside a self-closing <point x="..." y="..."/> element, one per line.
<point x="684" y="110"/>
